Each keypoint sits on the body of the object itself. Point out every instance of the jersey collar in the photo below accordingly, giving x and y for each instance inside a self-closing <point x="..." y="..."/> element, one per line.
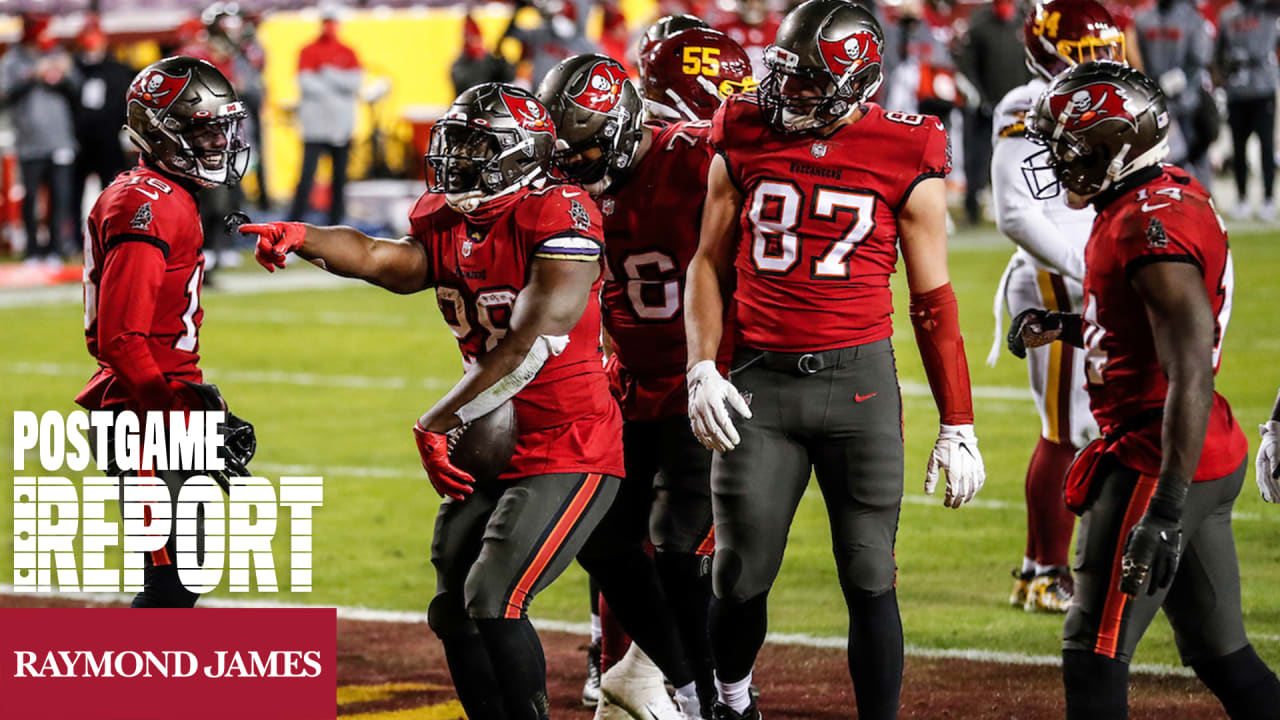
<point x="1113" y="193"/>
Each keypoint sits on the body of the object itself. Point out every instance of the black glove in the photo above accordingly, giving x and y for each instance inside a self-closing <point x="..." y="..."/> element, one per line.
<point x="239" y="443"/>
<point x="1042" y="327"/>
<point x="1151" y="551"/>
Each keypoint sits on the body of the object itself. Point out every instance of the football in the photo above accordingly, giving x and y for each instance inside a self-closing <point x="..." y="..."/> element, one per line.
<point x="484" y="446"/>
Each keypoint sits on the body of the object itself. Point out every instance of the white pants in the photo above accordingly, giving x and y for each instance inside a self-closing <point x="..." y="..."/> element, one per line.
<point x="1056" y="370"/>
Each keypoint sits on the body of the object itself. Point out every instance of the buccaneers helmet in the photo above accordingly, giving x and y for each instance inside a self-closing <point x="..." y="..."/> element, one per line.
<point x="689" y="74"/>
<point x="663" y="28"/>
<point x="824" y="62"/>
<point x="1064" y="33"/>
<point x="598" y="116"/>
<point x="1101" y="121"/>
<point x="495" y="139"/>
<point x="184" y="116"/>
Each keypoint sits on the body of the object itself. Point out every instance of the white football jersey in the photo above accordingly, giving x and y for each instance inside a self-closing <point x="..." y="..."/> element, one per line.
<point x="1047" y="232"/>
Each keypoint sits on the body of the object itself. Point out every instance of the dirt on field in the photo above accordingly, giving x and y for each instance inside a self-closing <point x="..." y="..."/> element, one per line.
<point x="396" y="671"/>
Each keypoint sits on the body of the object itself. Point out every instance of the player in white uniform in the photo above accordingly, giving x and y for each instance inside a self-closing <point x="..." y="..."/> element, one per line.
<point x="1046" y="272"/>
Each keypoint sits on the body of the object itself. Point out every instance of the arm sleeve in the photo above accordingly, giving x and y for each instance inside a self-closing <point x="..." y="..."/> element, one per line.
<point x="1021" y="217"/>
<point x="131" y="278"/>
<point x="935" y="316"/>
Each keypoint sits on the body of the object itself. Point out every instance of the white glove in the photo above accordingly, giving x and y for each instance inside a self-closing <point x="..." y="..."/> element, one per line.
<point x="710" y="398"/>
<point x="1266" y="465"/>
<point x="956" y="452"/>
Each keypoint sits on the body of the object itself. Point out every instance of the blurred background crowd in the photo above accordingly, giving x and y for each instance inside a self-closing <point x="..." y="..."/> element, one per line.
<point x="342" y="96"/>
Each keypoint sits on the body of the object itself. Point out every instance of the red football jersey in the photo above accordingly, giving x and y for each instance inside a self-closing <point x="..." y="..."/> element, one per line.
<point x="651" y="232"/>
<point x="818" y="233"/>
<point x="566" y="418"/>
<point x="1170" y="219"/>
<point x="143" y="205"/>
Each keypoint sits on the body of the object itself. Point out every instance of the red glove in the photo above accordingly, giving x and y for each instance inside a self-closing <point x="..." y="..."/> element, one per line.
<point x="275" y="240"/>
<point x="446" y="477"/>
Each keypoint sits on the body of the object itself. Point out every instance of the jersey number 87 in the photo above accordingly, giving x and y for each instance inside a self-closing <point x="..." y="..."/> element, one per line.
<point x="774" y="212"/>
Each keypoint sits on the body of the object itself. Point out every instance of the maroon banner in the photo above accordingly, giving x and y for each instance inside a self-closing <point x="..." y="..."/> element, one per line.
<point x="109" y="663"/>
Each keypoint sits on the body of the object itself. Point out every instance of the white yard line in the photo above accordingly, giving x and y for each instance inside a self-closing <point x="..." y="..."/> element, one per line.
<point x="393" y="382"/>
<point x="227" y="283"/>
<point x="578" y="628"/>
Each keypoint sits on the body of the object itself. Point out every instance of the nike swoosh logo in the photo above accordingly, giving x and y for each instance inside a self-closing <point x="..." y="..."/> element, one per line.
<point x="571" y="195"/>
<point x="152" y="195"/>
<point x="868" y="396"/>
<point x="1148" y="207"/>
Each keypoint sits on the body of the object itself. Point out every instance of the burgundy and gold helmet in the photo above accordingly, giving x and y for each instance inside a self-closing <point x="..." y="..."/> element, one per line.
<point x="663" y="28"/>
<point x="1061" y="34"/>
<point x="689" y="74"/>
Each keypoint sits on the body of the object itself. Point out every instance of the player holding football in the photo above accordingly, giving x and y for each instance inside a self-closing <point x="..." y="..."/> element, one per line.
<point x="143" y="270"/>
<point x="1156" y="491"/>
<point x="810" y="192"/>
<point x="1045" y="272"/>
<point x="515" y="264"/>
<point x="649" y="180"/>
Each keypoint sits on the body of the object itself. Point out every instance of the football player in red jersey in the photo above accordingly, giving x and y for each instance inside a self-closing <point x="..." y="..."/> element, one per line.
<point x="649" y="180"/>
<point x="810" y="192"/>
<point x="515" y="264"/>
<point x="688" y="75"/>
<point x="143" y="265"/>
<point x="663" y="28"/>
<point x="1156" y="491"/>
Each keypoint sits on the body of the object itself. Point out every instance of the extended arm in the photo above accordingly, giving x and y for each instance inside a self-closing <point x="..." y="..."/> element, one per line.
<point x="1182" y="327"/>
<point x="936" y="319"/>
<point x="711" y="396"/>
<point x="400" y="266"/>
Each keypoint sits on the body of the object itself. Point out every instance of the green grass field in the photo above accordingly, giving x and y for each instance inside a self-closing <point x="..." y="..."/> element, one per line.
<point x="333" y="379"/>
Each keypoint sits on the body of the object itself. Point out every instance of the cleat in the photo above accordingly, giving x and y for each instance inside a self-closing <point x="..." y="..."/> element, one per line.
<point x="591" y="688"/>
<point x="1051" y="592"/>
<point x="1021" y="588"/>
<point x="720" y="711"/>
<point x="634" y="688"/>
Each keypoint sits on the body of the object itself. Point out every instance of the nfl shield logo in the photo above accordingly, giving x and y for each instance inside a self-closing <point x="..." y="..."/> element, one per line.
<point x="606" y="206"/>
<point x="818" y="150"/>
<point x="466" y="248"/>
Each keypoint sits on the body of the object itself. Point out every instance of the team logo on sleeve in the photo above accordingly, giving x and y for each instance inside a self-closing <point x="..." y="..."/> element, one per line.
<point x="579" y="215"/>
<point x="142" y="218"/>
<point x="1157" y="239"/>
<point x="158" y="89"/>
<point x="529" y="113"/>
<point x="849" y="54"/>
<point x="603" y="89"/>
<point x="1095" y="103"/>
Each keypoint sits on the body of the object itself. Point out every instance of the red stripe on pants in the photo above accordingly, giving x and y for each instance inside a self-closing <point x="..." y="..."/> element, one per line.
<point x="1113" y="610"/>
<point x="563" y="526"/>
